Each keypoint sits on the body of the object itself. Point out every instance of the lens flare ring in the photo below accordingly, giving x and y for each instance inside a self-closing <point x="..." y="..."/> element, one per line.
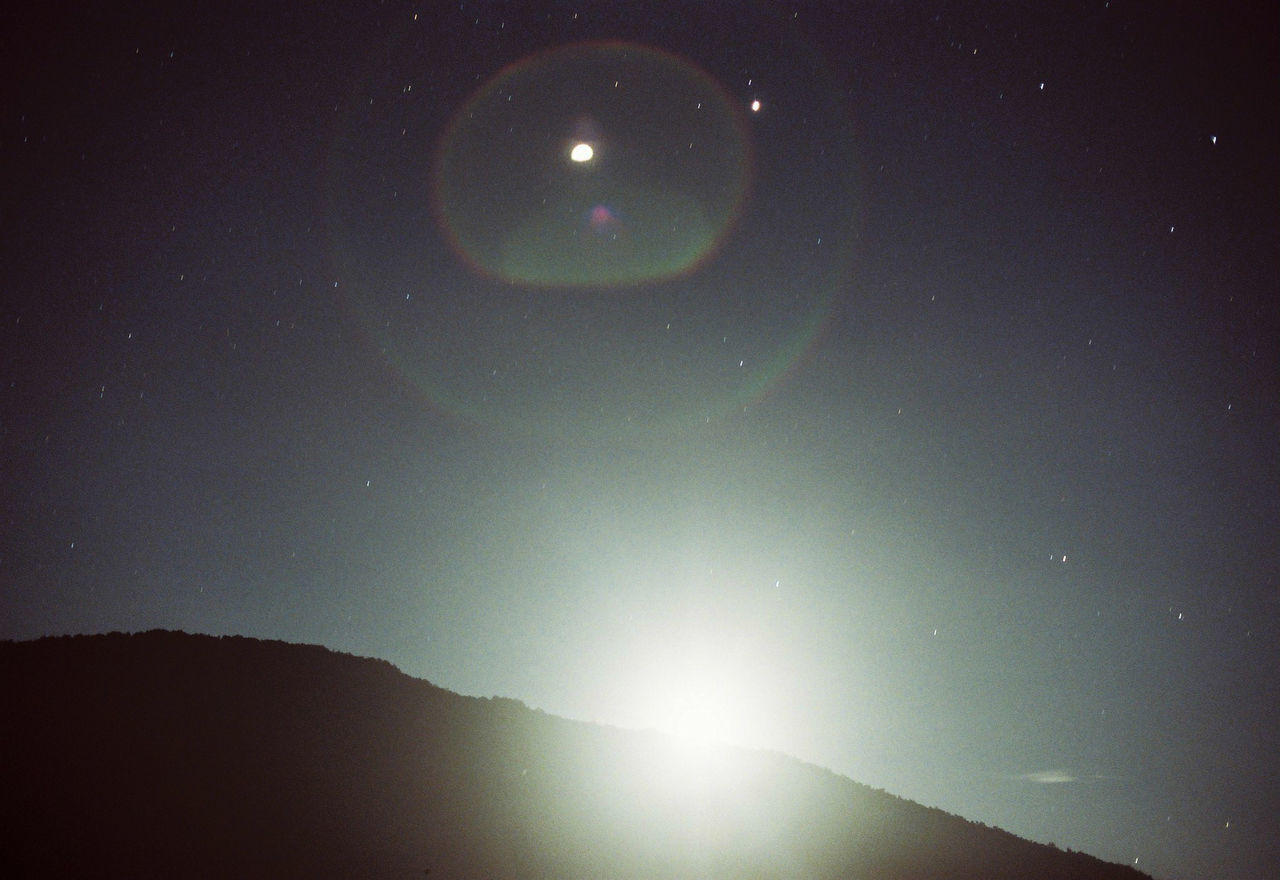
<point x="641" y="294"/>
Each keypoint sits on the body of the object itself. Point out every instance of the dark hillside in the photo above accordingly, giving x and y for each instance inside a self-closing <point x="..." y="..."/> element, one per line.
<point x="166" y="755"/>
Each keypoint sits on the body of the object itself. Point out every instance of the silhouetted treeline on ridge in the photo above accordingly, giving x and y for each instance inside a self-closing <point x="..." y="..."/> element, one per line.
<point x="173" y="755"/>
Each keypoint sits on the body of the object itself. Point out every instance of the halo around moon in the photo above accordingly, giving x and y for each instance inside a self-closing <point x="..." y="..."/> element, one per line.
<point x="549" y="146"/>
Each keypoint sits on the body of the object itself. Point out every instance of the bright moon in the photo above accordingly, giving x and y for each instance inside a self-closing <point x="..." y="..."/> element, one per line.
<point x="701" y="688"/>
<point x="581" y="152"/>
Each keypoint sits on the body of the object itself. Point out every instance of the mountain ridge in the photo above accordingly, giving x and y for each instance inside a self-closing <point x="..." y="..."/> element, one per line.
<point x="165" y="754"/>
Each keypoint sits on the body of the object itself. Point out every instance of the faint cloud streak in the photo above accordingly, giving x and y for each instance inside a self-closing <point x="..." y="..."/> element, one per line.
<point x="1057" y="777"/>
<point x="1049" y="777"/>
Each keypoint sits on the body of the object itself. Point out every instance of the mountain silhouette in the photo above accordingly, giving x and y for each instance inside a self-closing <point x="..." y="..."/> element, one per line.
<point x="165" y="754"/>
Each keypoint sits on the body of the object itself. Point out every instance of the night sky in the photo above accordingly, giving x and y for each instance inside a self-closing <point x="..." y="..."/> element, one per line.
<point x="921" y="421"/>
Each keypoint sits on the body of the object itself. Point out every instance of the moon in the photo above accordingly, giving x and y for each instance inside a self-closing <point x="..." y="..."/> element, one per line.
<point x="701" y="686"/>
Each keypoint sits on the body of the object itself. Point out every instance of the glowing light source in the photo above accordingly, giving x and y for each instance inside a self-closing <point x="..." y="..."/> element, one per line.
<point x="701" y="687"/>
<point x="582" y="152"/>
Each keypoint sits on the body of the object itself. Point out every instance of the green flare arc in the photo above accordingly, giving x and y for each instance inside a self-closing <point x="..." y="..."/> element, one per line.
<point x="531" y="161"/>
<point x="599" y="243"/>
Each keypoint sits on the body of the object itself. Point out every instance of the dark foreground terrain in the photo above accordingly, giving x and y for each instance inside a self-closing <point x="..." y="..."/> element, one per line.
<point x="172" y="755"/>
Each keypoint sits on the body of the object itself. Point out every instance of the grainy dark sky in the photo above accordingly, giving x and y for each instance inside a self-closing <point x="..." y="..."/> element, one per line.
<point x="922" y="422"/>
